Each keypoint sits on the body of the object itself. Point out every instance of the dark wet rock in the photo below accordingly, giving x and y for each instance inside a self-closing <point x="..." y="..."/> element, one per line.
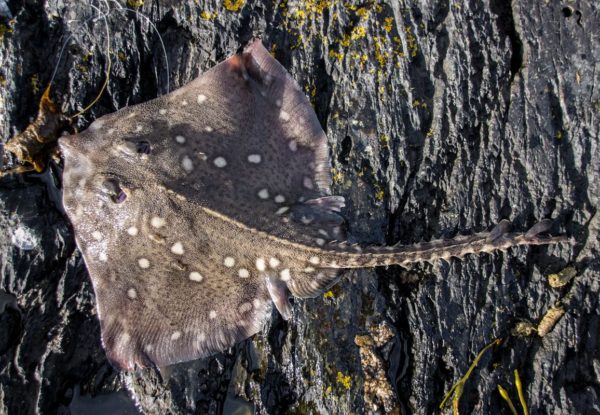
<point x="442" y="118"/>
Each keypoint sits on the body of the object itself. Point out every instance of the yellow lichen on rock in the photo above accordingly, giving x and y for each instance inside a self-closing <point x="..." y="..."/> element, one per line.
<point x="336" y="176"/>
<point x="363" y="13"/>
<point x="135" y="4"/>
<point x="344" y="380"/>
<point x="206" y="15"/>
<point x="379" y="193"/>
<point x="411" y="41"/>
<point x="358" y="33"/>
<point x="5" y="29"/>
<point x="388" y="24"/>
<point x="336" y="55"/>
<point x="233" y="5"/>
<point x="328" y="295"/>
<point x="35" y="83"/>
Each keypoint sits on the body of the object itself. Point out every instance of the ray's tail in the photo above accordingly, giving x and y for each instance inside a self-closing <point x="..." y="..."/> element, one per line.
<point x="499" y="239"/>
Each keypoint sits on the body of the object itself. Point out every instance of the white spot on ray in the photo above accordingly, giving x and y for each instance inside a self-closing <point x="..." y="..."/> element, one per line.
<point x="157" y="222"/>
<point x="208" y="129"/>
<point x="220" y="162"/>
<point x="187" y="164"/>
<point x="97" y="235"/>
<point x="284" y="116"/>
<point x="177" y="248"/>
<point x="293" y="145"/>
<point x="307" y="182"/>
<point x="143" y="263"/>
<point x="243" y="273"/>
<point x="279" y="199"/>
<point x="320" y="241"/>
<point x="274" y="262"/>
<point x="257" y="303"/>
<point x="133" y="231"/>
<point x="268" y="79"/>
<point x="201" y="98"/>
<point x="102" y="256"/>
<point x="254" y="158"/>
<point x="314" y="260"/>
<point x="285" y="275"/>
<point x="132" y="293"/>
<point x="184" y="103"/>
<point x="263" y="194"/>
<point x="260" y="264"/>
<point x="212" y="314"/>
<point x="196" y="276"/>
<point x="162" y="111"/>
<point x="282" y="210"/>
<point x="180" y="139"/>
<point x="175" y="335"/>
<point x="229" y="262"/>
<point x="138" y="128"/>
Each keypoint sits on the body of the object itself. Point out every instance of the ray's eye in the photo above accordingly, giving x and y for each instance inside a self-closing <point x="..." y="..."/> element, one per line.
<point x="112" y="188"/>
<point x="130" y="148"/>
<point x="119" y="197"/>
<point x="143" y="147"/>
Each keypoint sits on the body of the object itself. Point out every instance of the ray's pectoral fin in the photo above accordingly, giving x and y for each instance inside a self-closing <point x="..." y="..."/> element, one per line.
<point x="319" y="219"/>
<point x="280" y="295"/>
<point x="321" y="211"/>
<point x="310" y="282"/>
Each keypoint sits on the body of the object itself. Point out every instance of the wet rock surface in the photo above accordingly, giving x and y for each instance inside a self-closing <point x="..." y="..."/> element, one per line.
<point x="442" y="118"/>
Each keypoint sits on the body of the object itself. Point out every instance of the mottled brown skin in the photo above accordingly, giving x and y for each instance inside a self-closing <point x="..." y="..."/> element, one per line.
<point x="195" y="210"/>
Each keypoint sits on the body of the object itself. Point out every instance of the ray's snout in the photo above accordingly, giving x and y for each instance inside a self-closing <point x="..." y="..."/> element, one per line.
<point x="67" y="145"/>
<point x="77" y="165"/>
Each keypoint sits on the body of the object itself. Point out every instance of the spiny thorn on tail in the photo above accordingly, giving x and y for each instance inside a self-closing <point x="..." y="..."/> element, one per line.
<point x="500" y="229"/>
<point x="538" y="228"/>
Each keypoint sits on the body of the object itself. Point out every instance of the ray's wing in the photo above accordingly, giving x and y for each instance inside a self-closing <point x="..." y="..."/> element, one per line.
<point x="241" y="139"/>
<point x="164" y="291"/>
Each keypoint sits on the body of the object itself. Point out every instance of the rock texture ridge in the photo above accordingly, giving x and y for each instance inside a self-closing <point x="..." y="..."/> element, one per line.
<point x="441" y="118"/>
